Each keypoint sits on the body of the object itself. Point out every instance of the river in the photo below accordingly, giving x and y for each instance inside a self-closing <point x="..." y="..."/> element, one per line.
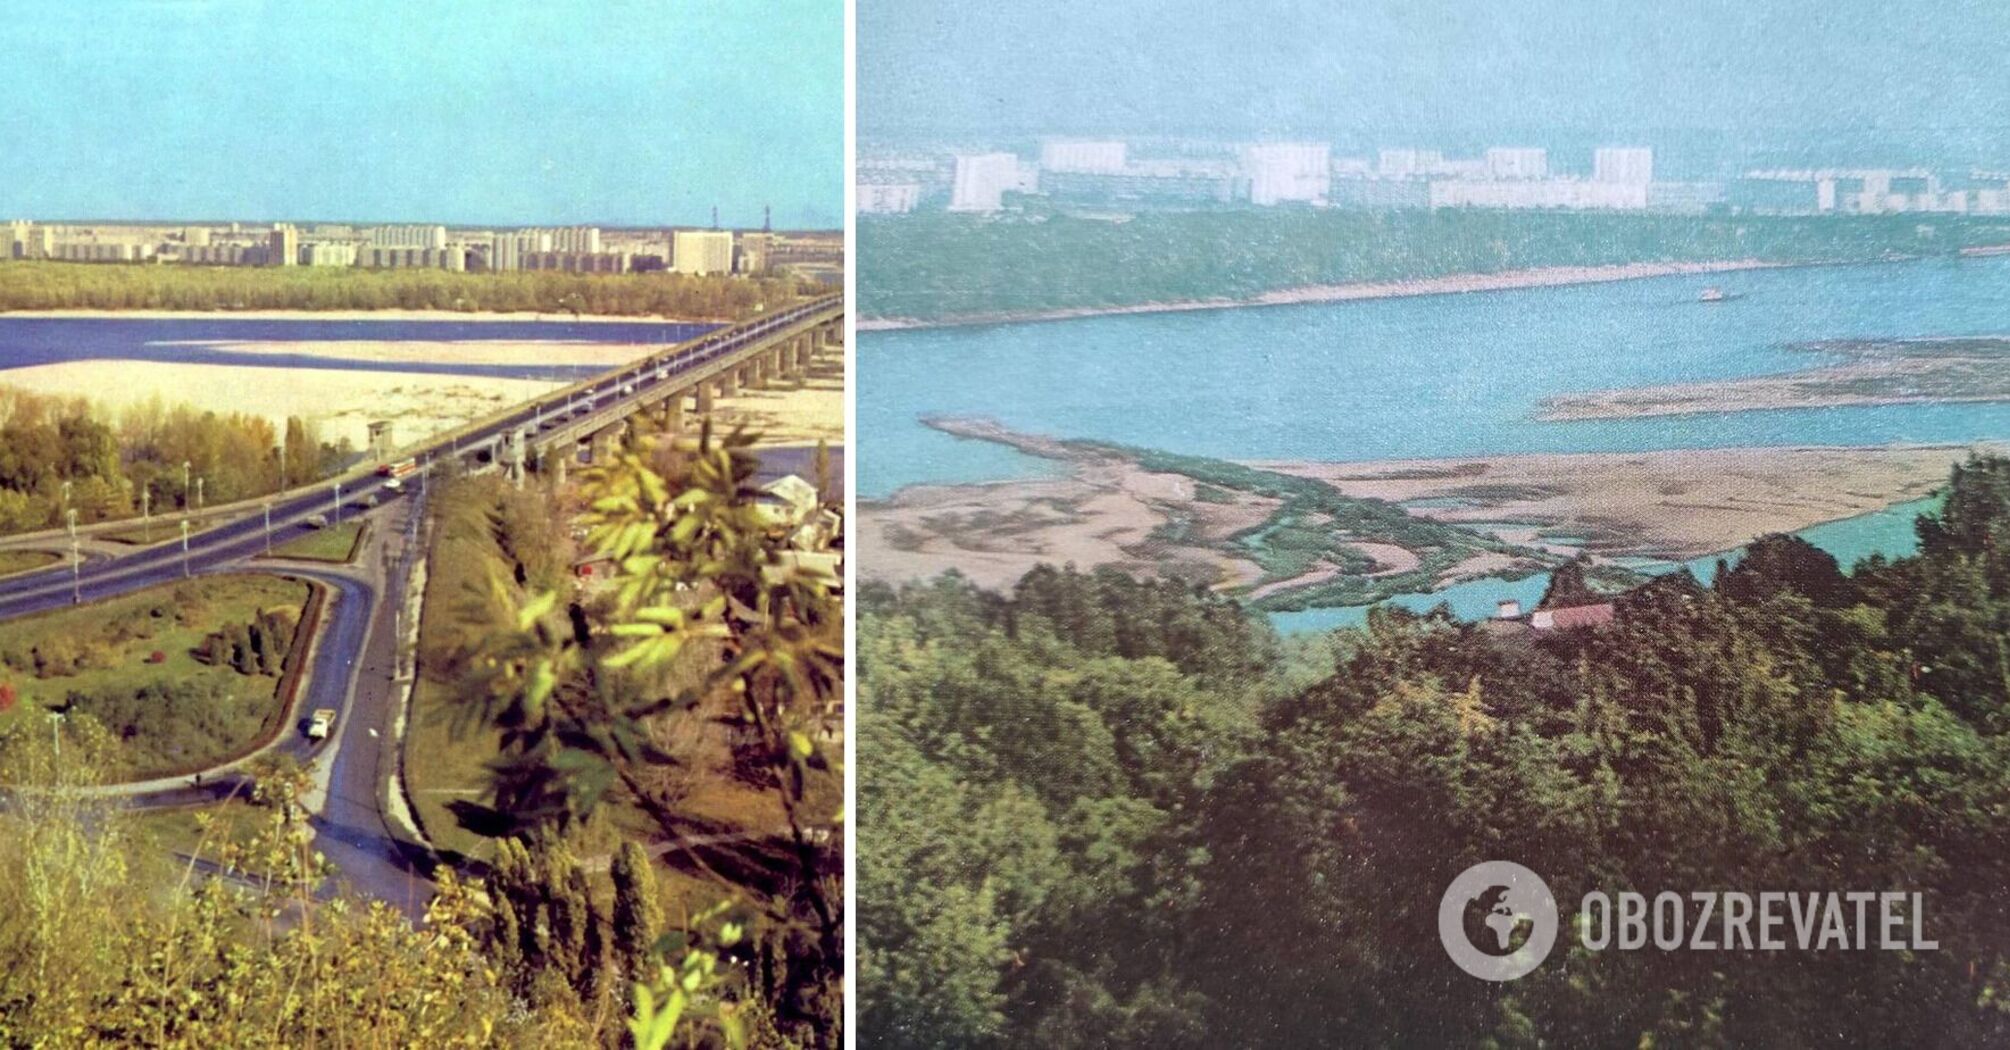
<point x="26" y="341"/>
<point x="1447" y="375"/>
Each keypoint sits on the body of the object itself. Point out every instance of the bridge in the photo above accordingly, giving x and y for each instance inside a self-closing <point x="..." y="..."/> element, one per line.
<point x="583" y="421"/>
<point x="356" y="655"/>
<point x="546" y="433"/>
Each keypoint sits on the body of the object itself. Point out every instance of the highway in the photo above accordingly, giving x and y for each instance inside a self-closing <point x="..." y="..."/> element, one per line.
<point x="51" y="588"/>
<point x="356" y="649"/>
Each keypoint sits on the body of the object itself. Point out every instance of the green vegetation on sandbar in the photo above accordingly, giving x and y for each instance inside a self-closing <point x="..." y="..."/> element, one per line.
<point x="183" y="675"/>
<point x="1318" y="523"/>
<point x="940" y="266"/>
<point x="38" y="285"/>
<point x="1102" y="811"/>
<point x="336" y="543"/>
<point x="15" y="561"/>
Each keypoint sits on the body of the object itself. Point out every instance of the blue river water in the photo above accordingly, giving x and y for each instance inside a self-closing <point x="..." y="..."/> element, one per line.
<point x="1427" y="376"/>
<point x="28" y="341"/>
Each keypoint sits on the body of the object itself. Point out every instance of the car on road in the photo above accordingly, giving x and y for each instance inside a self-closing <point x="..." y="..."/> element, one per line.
<point x="394" y="485"/>
<point x="315" y="521"/>
<point x="320" y="723"/>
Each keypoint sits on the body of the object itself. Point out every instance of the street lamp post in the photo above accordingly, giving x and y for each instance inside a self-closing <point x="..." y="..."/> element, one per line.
<point x="268" y="528"/>
<point x="66" y="493"/>
<point x="185" y="464"/>
<point x="70" y="519"/>
<point x="338" y="505"/>
<point x="76" y="572"/>
<point x="198" y="494"/>
<point x="184" y="548"/>
<point x="146" y="511"/>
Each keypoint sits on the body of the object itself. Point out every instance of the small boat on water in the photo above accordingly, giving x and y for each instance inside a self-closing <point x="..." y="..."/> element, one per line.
<point x="1716" y="295"/>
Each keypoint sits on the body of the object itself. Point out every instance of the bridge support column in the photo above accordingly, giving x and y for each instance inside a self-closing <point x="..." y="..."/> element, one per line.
<point x="559" y="462"/>
<point x="672" y="416"/>
<point x="729" y="382"/>
<point x="705" y="398"/>
<point x="777" y="364"/>
<point x="806" y="349"/>
<point x="755" y="375"/>
<point x="603" y="442"/>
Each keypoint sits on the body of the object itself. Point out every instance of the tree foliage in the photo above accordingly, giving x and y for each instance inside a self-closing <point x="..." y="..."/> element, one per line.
<point x="1071" y="838"/>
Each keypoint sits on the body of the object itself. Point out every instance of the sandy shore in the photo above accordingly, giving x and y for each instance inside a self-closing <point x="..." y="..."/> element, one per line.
<point x="342" y="403"/>
<point x="356" y="315"/>
<point x="1663" y="505"/>
<point x="1450" y="284"/>
<point x="798" y="413"/>
<point x="502" y="352"/>
<point x="1674" y="504"/>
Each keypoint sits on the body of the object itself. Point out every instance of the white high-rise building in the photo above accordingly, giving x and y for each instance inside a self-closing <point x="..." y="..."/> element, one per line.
<point x="1281" y="172"/>
<point x="1633" y="165"/>
<point x="1081" y="155"/>
<point x="888" y="198"/>
<point x="701" y="251"/>
<point x="1407" y="163"/>
<point x="506" y="251"/>
<point x="1517" y="162"/>
<point x="982" y="180"/>
<point x="576" y="239"/>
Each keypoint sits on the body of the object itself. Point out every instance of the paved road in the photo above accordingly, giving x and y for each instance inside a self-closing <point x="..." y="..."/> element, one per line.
<point x="46" y="589"/>
<point x="355" y="653"/>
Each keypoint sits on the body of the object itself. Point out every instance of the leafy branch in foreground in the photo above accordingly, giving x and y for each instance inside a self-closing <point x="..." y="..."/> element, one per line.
<point x="713" y="610"/>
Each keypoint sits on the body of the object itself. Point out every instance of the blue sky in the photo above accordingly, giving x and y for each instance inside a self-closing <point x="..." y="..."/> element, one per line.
<point x="1926" y="69"/>
<point x="535" y="112"/>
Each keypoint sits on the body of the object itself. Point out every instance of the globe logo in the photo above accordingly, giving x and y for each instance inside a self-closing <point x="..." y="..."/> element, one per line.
<point x="1497" y="920"/>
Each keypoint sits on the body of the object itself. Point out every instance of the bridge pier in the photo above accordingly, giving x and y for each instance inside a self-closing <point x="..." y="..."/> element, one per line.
<point x="603" y="442"/>
<point x="729" y="382"/>
<point x="672" y="417"/>
<point x="806" y="348"/>
<point x="705" y="398"/>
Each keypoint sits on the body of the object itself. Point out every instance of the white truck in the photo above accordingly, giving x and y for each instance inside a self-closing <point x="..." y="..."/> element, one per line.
<point x="320" y="723"/>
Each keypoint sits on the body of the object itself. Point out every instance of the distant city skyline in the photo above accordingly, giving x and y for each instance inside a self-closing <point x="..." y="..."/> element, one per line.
<point x="622" y="114"/>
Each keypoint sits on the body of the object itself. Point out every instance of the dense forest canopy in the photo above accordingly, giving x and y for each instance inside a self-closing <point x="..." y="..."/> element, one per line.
<point x="1098" y="813"/>
<point x="940" y="265"/>
<point x="36" y="285"/>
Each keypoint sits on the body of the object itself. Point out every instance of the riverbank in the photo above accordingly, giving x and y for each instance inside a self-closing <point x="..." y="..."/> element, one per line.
<point x="1450" y="284"/>
<point x="1112" y="509"/>
<point x="358" y="315"/>
<point x="507" y="353"/>
<point x="342" y="403"/>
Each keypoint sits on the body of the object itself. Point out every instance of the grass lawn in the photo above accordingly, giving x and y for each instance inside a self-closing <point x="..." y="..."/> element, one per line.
<point x="176" y="830"/>
<point x="12" y="562"/>
<point x="176" y="714"/>
<point x="337" y="544"/>
<point x="160" y="531"/>
<point x="442" y="767"/>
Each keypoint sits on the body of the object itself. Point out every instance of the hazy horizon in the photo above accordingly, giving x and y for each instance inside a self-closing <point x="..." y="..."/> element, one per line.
<point x="622" y="114"/>
<point x="1791" y="79"/>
